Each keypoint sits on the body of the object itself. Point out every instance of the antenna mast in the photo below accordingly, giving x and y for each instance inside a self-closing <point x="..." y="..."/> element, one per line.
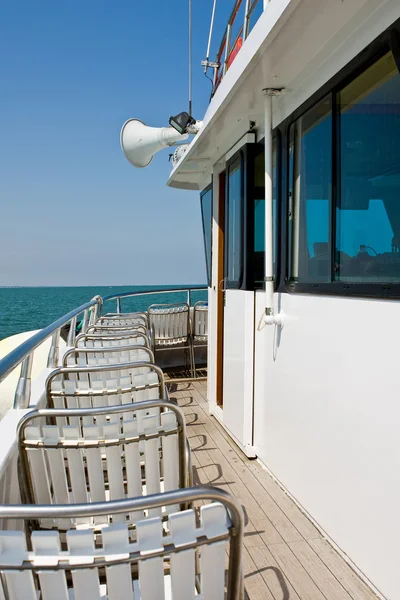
<point x="190" y="57"/>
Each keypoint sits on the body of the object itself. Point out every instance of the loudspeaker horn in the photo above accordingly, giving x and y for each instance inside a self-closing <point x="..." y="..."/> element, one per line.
<point x="139" y="142"/>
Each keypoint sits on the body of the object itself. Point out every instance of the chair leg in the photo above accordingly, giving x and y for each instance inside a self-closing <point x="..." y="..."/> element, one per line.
<point x="193" y="361"/>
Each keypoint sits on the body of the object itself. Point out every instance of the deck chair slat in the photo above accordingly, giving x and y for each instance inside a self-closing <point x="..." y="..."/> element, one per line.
<point x="133" y="467"/>
<point x="55" y="459"/>
<point x="119" y="581"/>
<point x="152" y="461"/>
<point x="53" y="584"/>
<point x="94" y="466"/>
<point x="36" y="459"/>
<point x="183" y="530"/>
<point x="86" y="581"/>
<point x="76" y="467"/>
<point x="212" y="557"/>
<point x="170" y="451"/>
<point x="151" y="571"/>
<point x="114" y="466"/>
<point x="20" y="584"/>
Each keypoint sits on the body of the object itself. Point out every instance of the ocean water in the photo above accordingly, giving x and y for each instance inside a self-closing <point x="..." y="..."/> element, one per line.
<point x="28" y="308"/>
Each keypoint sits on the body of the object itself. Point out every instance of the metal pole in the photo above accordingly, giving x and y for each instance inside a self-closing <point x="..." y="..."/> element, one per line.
<point x="190" y="57"/>
<point x="119" y="306"/>
<point x="23" y="392"/>
<point x="52" y="361"/>
<point x="71" y="333"/>
<point x="85" y="323"/>
<point x="210" y="36"/>
<point x="295" y="200"/>
<point x="228" y="43"/>
<point x="269" y="265"/>
<point x="270" y="318"/>
<point x="246" y="20"/>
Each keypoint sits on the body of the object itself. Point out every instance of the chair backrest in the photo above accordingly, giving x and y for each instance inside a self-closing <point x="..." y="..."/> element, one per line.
<point x="107" y="356"/>
<point x="116" y="329"/>
<point x="181" y="558"/>
<point x="97" y="340"/>
<point x="93" y="455"/>
<point x="200" y="321"/>
<point x="98" y="386"/>
<point x="118" y="319"/>
<point x="169" y="321"/>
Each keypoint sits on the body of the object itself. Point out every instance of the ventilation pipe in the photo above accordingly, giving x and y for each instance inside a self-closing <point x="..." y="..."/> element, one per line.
<point x="270" y="318"/>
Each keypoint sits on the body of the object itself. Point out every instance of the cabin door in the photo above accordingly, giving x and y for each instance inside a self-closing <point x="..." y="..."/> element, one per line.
<point x="238" y="317"/>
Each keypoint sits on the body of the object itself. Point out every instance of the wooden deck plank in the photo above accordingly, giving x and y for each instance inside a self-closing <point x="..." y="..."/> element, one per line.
<point x="269" y="507"/>
<point x="324" y="579"/>
<point x="356" y="588"/>
<point x="285" y="557"/>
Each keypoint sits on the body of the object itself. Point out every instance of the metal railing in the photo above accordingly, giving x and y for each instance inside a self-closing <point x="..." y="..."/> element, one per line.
<point x="228" y="49"/>
<point x="24" y="352"/>
<point x="187" y="290"/>
<point x="91" y="311"/>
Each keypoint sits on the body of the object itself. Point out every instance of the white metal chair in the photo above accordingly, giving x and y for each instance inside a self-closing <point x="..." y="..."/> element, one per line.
<point x="107" y="356"/>
<point x="199" y="329"/>
<point x="123" y="319"/>
<point x="117" y="329"/>
<point x="110" y="453"/>
<point x="183" y="561"/>
<point x="98" y="386"/>
<point x="170" y="328"/>
<point x="97" y="340"/>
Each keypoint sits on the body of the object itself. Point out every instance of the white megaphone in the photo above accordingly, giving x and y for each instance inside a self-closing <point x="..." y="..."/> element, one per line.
<point x="139" y="142"/>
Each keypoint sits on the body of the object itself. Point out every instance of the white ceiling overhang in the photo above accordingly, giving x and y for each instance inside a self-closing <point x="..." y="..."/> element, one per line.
<point x="297" y="45"/>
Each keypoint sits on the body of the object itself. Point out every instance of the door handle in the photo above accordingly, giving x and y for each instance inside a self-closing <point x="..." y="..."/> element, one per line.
<point x="221" y="285"/>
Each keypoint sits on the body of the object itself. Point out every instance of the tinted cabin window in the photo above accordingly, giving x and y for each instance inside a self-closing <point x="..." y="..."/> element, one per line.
<point x="310" y="190"/>
<point x="259" y="216"/>
<point x="206" y="213"/>
<point x="368" y="211"/>
<point x="234" y="231"/>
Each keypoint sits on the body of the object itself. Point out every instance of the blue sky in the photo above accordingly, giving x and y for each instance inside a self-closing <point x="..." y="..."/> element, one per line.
<point x="73" y="211"/>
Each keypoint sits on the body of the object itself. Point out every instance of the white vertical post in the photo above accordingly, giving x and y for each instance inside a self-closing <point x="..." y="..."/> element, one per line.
<point x="269" y="265"/>
<point x="295" y="208"/>
<point x="270" y="318"/>
<point x="119" y="305"/>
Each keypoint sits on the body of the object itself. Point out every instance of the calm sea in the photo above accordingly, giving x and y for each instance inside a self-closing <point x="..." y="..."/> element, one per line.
<point x="28" y="308"/>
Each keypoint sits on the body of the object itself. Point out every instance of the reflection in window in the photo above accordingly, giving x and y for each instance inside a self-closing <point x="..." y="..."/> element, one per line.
<point x="259" y="216"/>
<point x="310" y="172"/>
<point x="368" y="212"/>
<point x="206" y="213"/>
<point x="234" y="255"/>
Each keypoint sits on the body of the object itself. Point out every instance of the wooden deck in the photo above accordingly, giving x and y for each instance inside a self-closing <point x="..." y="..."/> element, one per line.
<point x="285" y="556"/>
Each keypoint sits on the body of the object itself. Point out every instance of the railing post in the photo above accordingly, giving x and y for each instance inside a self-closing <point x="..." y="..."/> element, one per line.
<point x="71" y="333"/>
<point x="118" y="306"/>
<point x="52" y="361"/>
<point x="97" y="307"/>
<point x="85" y="323"/>
<point x="246" y="20"/>
<point x="23" y="392"/>
<point x="227" y="49"/>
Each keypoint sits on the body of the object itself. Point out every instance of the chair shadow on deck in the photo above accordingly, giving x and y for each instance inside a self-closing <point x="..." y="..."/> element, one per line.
<point x="279" y="576"/>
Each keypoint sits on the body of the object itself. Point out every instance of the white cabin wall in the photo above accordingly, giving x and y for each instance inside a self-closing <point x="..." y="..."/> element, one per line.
<point x="326" y="417"/>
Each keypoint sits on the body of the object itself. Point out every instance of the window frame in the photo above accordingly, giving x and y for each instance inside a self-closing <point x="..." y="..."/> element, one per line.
<point x="236" y="159"/>
<point x="246" y="155"/>
<point x="208" y="266"/>
<point x="389" y="40"/>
